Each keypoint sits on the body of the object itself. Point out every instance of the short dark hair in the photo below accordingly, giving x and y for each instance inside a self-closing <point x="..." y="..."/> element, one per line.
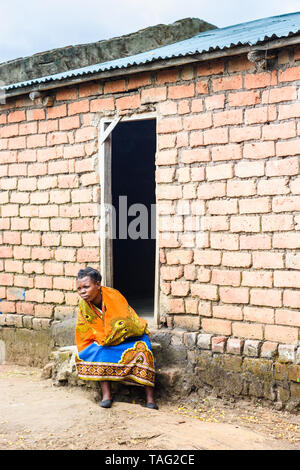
<point x="91" y="273"/>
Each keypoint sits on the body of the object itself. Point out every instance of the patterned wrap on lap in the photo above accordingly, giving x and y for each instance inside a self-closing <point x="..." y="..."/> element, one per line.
<point x="118" y="322"/>
<point x="130" y="362"/>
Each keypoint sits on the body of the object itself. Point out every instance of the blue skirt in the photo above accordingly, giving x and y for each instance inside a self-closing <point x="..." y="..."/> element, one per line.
<point x="130" y="362"/>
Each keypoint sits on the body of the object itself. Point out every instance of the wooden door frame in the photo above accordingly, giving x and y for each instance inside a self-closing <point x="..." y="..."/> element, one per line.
<point x="106" y="244"/>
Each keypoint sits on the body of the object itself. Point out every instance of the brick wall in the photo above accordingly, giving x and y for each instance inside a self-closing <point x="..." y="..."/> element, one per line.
<point x="228" y="196"/>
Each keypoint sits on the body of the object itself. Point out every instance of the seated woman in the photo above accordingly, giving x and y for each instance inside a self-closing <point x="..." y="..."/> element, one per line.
<point x="112" y="341"/>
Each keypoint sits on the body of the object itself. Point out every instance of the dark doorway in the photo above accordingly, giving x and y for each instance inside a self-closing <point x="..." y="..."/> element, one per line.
<point x="133" y="182"/>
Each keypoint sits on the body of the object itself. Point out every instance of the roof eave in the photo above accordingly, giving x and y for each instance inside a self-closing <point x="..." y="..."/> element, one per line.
<point x="154" y="65"/>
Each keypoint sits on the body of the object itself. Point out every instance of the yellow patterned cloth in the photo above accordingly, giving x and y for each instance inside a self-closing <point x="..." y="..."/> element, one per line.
<point x="112" y="342"/>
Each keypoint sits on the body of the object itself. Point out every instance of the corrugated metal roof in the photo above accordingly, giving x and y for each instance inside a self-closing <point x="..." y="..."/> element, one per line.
<point x="250" y="33"/>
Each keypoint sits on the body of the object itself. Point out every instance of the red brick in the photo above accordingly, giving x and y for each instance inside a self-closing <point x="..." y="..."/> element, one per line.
<point x="204" y="291"/>
<point x="56" y="111"/>
<point x="199" y="121"/>
<point x="215" y="102"/>
<point x="287" y="317"/>
<point x="170" y="273"/>
<point x="60" y="224"/>
<point x="6" y="279"/>
<point x="207" y="257"/>
<point x="88" y="255"/>
<point x="292" y="147"/>
<point x="247" y="330"/>
<point x="166" y="157"/>
<point x="140" y="80"/>
<point x="9" y="131"/>
<point x="17" y="143"/>
<point x="287" y="166"/>
<point x="128" y="102"/>
<point x="226" y="278"/>
<point x="49" y="210"/>
<point x="289" y="75"/>
<point x="197" y="174"/>
<point x="179" y="257"/>
<point x="257" y="279"/>
<point x="102" y="104"/>
<point x="287" y="111"/>
<point x="291" y="298"/>
<point x="244" y="98"/>
<point x="184" y="106"/>
<point x="25" y="308"/>
<point x="67" y="94"/>
<point x="35" y="114"/>
<point x="272" y="186"/>
<point x="63" y="283"/>
<point x="237" y="259"/>
<point x="17" y="169"/>
<point x="8" y="157"/>
<point x="211" y="190"/>
<point x="224" y="241"/>
<point x="78" y="107"/>
<point x="231" y="117"/>
<point x="176" y="306"/>
<point x="10" y="210"/>
<point x="8" y="307"/>
<point x="231" y="295"/>
<point x="227" y="83"/>
<point x="168" y="191"/>
<point x="227" y="152"/>
<point x="275" y="223"/>
<point x="179" y="91"/>
<point x="267" y="297"/>
<point x="268" y="260"/>
<point x="282" y="334"/>
<point x="240" y="134"/>
<point x="244" y="223"/>
<point x="69" y="123"/>
<point x="210" y="67"/>
<point x="255" y="242"/>
<point x="195" y="155"/>
<point x="286" y="203"/>
<point x="215" y="136"/>
<point x="167" y="76"/>
<point x="253" y="206"/>
<point x="85" y="134"/>
<point x="16" y="116"/>
<point x="50" y="239"/>
<point x="259" y="150"/>
<point x="241" y="188"/>
<point x="216" y="326"/>
<point x="56" y="138"/>
<point x="6" y="252"/>
<point x="180" y="288"/>
<point x="259" y="315"/>
<point x="260" y="80"/>
<point x="54" y="296"/>
<point x="286" y="279"/>
<point x="114" y="86"/>
<point x="229" y="312"/>
<point x="277" y="95"/>
<point x="202" y="87"/>
<point x="263" y="114"/>
<point x="169" y="125"/>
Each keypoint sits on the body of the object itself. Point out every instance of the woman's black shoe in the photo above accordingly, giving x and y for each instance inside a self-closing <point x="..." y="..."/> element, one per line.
<point x="153" y="406"/>
<point x="105" y="403"/>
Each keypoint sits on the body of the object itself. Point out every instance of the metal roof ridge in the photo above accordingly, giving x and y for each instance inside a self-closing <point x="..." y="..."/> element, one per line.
<point x="190" y="46"/>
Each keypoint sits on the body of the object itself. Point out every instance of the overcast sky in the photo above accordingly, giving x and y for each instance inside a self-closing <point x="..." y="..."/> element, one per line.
<point x="32" y="26"/>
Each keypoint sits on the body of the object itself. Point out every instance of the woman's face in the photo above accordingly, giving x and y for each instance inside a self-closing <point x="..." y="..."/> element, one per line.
<point x="88" y="289"/>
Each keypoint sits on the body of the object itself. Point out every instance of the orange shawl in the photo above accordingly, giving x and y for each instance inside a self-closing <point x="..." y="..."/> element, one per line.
<point x="117" y="322"/>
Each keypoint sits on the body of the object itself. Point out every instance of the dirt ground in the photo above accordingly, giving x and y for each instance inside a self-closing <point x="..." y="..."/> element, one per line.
<point x="36" y="415"/>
